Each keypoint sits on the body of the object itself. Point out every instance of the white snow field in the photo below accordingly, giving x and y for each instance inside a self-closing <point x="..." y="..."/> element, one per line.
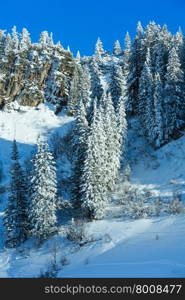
<point x="141" y="248"/>
<point x="151" y="247"/>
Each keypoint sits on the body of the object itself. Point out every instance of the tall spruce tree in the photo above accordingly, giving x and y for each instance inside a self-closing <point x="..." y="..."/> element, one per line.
<point x="43" y="194"/>
<point x="178" y="43"/>
<point x="127" y="55"/>
<point x="96" y="85"/>
<point x="85" y="89"/>
<point x="112" y="159"/>
<point x="122" y="122"/>
<point x="150" y="39"/>
<point x="159" y="54"/>
<point x="129" y="104"/>
<point x="93" y="180"/>
<point x="174" y="95"/>
<point x="75" y="90"/>
<point x="165" y="45"/>
<point x="136" y="64"/>
<point x="158" y="131"/>
<point x="145" y="107"/>
<point x="116" y="82"/>
<point x="16" y="218"/>
<point x="79" y="145"/>
<point x="183" y="55"/>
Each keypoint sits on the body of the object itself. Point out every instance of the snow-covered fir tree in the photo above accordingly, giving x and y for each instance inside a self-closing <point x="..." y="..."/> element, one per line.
<point x="112" y="143"/>
<point x="44" y="38"/>
<point x="136" y="64"/>
<point x="122" y="122"/>
<point x="99" y="49"/>
<point x="3" y="41"/>
<point x="165" y="38"/>
<point x="158" y="131"/>
<point x="43" y="194"/>
<point x="75" y="90"/>
<point x="127" y="55"/>
<point x="78" y="56"/>
<point x="159" y="53"/>
<point x="127" y="73"/>
<point x="178" y="44"/>
<point x="85" y="90"/>
<point x="116" y="82"/>
<point x="68" y="49"/>
<point x="25" y="40"/>
<point x="51" y="42"/>
<point x="15" y="38"/>
<point x="93" y="181"/>
<point x="96" y="85"/>
<point x="80" y="90"/>
<point x="145" y="107"/>
<point x="7" y="45"/>
<point x="79" y="145"/>
<point x="174" y="95"/>
<point x="16" y="217"/>
<point x="150" y="39"/>
<point x="117" y="48"/>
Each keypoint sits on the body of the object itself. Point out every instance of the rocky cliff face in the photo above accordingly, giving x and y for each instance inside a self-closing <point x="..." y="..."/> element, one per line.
<point x="31" y="73"/>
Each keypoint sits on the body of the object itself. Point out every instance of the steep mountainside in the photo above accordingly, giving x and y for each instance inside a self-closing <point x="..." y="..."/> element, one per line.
<point x="92" y="157"/>
<point x="32" y="73"/>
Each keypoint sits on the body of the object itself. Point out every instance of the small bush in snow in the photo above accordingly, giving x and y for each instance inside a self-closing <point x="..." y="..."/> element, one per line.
<point x="140" y="209"/>
<point x="51" y="271"/>
<point x="136" y="202"/>
<point x="139" y="203"/>
<point x="158" y="206"/>
<point x="126" y="173"/>
<point x="63" y="204"/>
<point x="175" y="207"/>
<point x="107" y="238"/>
<point x="52" y="267"/>
<point x="75" y="232"/>
<point x="64" y="261"/>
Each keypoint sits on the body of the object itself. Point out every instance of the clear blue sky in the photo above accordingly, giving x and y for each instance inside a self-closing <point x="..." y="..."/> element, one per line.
<point x="79" y="23"/>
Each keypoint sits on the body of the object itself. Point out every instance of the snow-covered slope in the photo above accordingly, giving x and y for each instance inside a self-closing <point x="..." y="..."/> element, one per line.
<point x="151" y="247"/>
<point x="162" y="171"/>
<point x="141" y="248"/>
<point x="25" y="124"/>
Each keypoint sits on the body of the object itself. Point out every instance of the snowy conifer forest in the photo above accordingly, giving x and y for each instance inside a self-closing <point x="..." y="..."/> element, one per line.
<point x="92" y="156"/>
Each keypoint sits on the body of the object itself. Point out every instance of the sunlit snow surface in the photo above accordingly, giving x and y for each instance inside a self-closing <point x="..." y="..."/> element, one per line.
<point x="152" y="247"/>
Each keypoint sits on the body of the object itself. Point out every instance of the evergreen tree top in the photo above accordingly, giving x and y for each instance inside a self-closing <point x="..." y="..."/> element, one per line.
<point x="99" y="47"/>
<point x="117" y="48"/>
<point x="15" y="153"/>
